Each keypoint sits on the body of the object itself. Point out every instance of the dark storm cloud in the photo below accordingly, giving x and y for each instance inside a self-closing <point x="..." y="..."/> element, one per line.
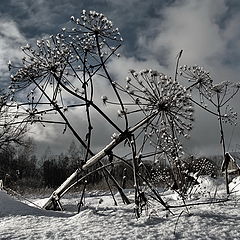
<point x="38" y="18"/>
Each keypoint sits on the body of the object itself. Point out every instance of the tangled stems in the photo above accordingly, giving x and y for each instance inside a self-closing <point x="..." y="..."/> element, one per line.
<point x="61" y="61"/>
<point x="112" y="84"/>
<point x="154" y="94"/>
<point x="67" y="63"/>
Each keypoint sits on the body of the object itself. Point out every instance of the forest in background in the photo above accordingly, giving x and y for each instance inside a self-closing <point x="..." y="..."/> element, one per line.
<point x="23" y="171"/>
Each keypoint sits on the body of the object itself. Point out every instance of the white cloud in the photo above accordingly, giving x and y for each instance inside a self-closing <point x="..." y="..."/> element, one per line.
<point x="10" y="41"/>
<point x="190" y="26"/>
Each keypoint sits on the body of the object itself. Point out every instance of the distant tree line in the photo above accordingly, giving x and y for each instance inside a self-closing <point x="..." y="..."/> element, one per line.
<point x="22" y="170"/>
<point x="18" y="165"/>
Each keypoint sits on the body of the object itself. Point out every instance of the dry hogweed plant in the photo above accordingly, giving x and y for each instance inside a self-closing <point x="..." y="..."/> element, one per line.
<point x="155" y="94"/>
<point x="218" y="96"/>
<point x="58" y="77"/>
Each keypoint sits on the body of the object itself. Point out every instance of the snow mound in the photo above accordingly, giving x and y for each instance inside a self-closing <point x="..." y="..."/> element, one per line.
<point x="234" y="186"/>
<point x="206" y="185"/>
<point x="10" y="206"/>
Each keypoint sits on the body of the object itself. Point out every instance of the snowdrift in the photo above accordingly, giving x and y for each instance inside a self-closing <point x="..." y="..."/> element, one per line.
<point x="234" y="186"/>
<point x="101" y="219"/>
<point x="10" y="206"/>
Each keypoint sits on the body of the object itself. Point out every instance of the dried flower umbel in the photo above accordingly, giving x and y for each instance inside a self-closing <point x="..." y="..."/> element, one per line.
<point x="210" y="93"/>
<point x="73" y="51"/>
<point x="197" y="76"/>
<point x="154" y="93"/>
<point x="222" y="94"/>
<point x="48" y="58"/>
<point x="66" y="63"/>
<point x="218" y="96"/>
<point x="92" y="35"/>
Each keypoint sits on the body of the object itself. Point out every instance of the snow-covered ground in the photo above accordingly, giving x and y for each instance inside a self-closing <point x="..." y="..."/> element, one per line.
<point x="100" y="219"/>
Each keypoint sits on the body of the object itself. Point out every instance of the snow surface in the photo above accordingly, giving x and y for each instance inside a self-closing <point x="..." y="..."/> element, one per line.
<point x="234" y="186"/>
<point x="101" y="219"/>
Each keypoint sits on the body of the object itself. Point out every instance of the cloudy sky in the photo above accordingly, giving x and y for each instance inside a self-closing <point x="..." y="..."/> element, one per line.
<point x="154" y="32"/>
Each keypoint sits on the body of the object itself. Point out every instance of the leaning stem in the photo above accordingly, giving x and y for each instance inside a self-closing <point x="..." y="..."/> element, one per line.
<point x="96" y="158"/>
<point x="222" y="139"/>
<point x="135" y="179"/>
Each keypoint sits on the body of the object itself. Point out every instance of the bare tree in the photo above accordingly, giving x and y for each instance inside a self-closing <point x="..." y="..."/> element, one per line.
<point x="11" y="131"/>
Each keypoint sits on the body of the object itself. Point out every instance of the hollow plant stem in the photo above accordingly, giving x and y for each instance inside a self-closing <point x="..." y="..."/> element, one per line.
<point x="222" y="140"/>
